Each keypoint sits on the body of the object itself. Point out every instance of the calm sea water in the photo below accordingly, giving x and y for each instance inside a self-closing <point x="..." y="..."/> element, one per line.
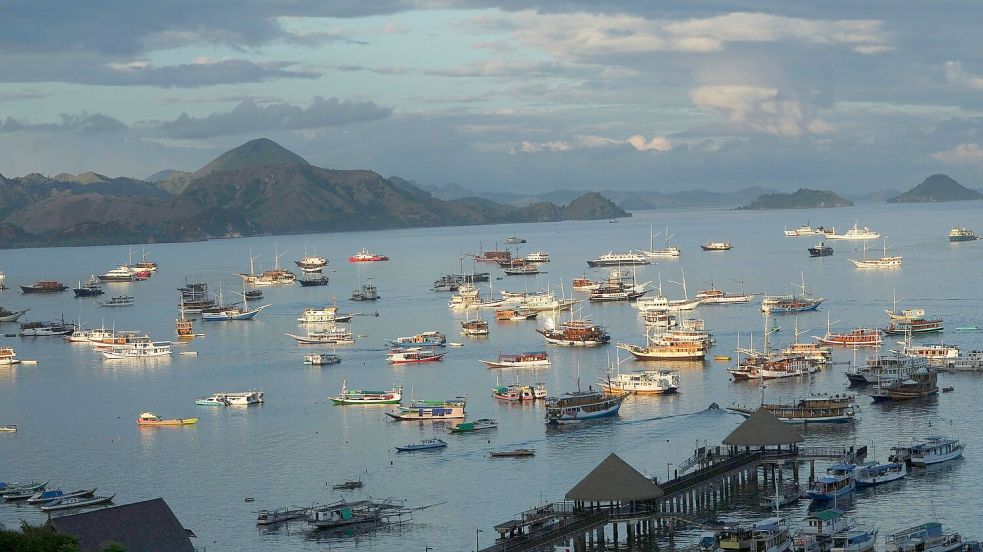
<point x="76" y="411"/>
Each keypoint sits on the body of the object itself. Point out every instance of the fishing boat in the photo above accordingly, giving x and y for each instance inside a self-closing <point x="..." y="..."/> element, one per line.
<point x="75" y="503"/>
<point x="476" y="327"/>
<point x="482" y="424"/>
<point x="646" y="382"/>
<point x="882" y="262"/>
<point x="576" y="333"/>
<point x="11" y="316"/>
<point x="961" y="234"/>
<point x="855" y="233"/>
<point x="8" y="356"/>
<point x="322" y="315"/>
<point x="816" y="409"/>
<point x="121" y="273"/>
<point x="431" y="338"/>
<point x="837" y="482"/>
<point x="139" y="349"/>
<point x="791" y="303"/>
<point x="428" y="444"/>
<point x="45" y="497"/>
<point x="218" y="399"/>
<point x="118" y="301"/>
<point x="311" y="263"/>
<point x="515" y="453"/>
<point x="513" y="240"/>
<point x="360" y="396"/>
<point x="366" y="292"/>
<point x="927" y="537"/>
<point x="619" y="259"/>
<point x="820" y="250"/>
<point x="716" y="246"/>
<point x="44" y="286"/>
<point x="321" y="359"/>
<point x="151" y="419"/>
<point x="21" y="488"/>
<point x="280" y="515"/>
<point x="854" y="540"/>
<point x="90" y="288"/>
<point x="874" y="473"/>
<point x="520" y="360"/>
<point x="413" y="355"/>
<point x="580" y="405"/>
<point x="334" y="335"/>
<point x="807" y="230"/>
<point x="922" y="382"/>
<point x="514" y="314"/>
<point x="667" y="252"/>
<point x="363" y="256"/>
<point x="45" y="329"/>
<point x="307" y="280"/>
<point x="430" y="410"/>
<point x="928" y="451"/>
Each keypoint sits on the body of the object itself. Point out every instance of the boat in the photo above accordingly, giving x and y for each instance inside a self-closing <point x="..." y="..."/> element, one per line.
<point x="537" y="257"/>
<point x="820" y="250"/>
<point x="254" y="294"/>
<point x="366" y="292"/>
<point x="322" y="315"/>
<point x="837" y="482"/>
<point x="922" y="382"/>
<point x="45" y="329"/>
<point x="855" y="233"/>
<point x="8" y="356"/>
<point x="349" y="485"/>
<point x="142" y="267"/>
<point x="961" y="234"/>
<point x="514" y="453"/>
<point x="276" y="277"/>
<point x="244" y="398"/>
<point x="911" y="321"/>
<point x="874" y="473"/>
<point x="667" y="252"/>
<point x="576" y="333"/>
<point x="517" y="392"/>
<point x="883" y="262"/>
<point x="521" y="270"/>
<point x="11" y="316"/>
<point x="333" y="335"/>
<point x="8" y="428"/>
<point x="428" y="444"/>
<point x="194" y="298"/>
<point x="482" y="424"/>
<point x="118" y="301"/>
<point x="662" y="320"/>
<point x="121" y="273"/>
<point x="767" y="535"/>
<point x="583" y="283"/>
<point x="363" y="256"/>
<point x="345" y="515"/>
<point x="513" y="240"/>
<point x="661" y="348"/>
<point x="932" y="450"/>
<point x="815" y="409"/>
<point x="44" y="497"/>
<point x="151" y="419"/>
<point x="619" y="259"/>
<point x="431" y="338"/>
<point x="716" y="246"/>
<point x="547" y="301"/>
<point x="580" y="405"/>
<point x="791" y="303"/>
<point x="646" y="382"/>
<point x="44" y="286"/>
<point x="228" y="313"/>
<point x="90" y="288"/>
<point x="77" y="502"/>
<point x="714" y="296"/>
<point x="820" y="526"/>
<point x="885" y="368"/>
<point x="854" y="540"/>
<point x="618" y="287"/>
<point x="860" y="337"/>
<point x="360" y="396"/>
<point x="321" y="359"/>
<point x="21" y="488"/>
<point x="413" y="355"/>
<point x="430" y="410"/>
<point x="311" y="263"/>
<point x="927" y="537"/>
<point x="142" y="348"/>
<point x="476" y="327"/>
<point x="514" y="314"/>
<point x="807" y="230"/>
<point x="218" y="399"/>
<point x="309" y="281"/>
<point x="494" y="256"/>
<point x="184" y="328"/>
<point x="520" y="360"/>
<point x="280" y="515"/>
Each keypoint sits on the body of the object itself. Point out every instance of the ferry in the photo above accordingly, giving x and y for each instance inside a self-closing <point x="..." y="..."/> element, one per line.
<point x="647" y="382"/>
<point x="961" y="234"/>
<point x="11" y="316"/>
<point x="619" y="259"/>
<point x="359" y="396"/>
<point x="322" y="315"/>
<point x="855" y="233"/>
<point x="820" y="250"/>
<point x="363" y="256"/>
<point x="521" y="360"/>
<point x="817" y="409"/>
<point x="582" y="405"/>
<point x="413" y="355"/>
<point x="431" y="338"/>
<point x="576" y="333"/>
<point x="927" y="537"/>
<point x="717" y="246"/>
<point x="151" y="419"/>
<point x="431" y="410"/>
<point x="837" y="482"/>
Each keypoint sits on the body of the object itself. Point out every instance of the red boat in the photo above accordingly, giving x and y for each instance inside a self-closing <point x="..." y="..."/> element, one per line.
<point x="364" y="256"/>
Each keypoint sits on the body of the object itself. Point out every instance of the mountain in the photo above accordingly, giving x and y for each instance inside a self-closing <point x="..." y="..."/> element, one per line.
<point x="937" y="187"/>
<point x="161" y="176"/>
<point x="803" y="198"/>
<point x="256" y="188"/>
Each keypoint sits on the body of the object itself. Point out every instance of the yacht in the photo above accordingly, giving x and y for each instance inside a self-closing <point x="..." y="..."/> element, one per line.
<point x="855" y="233"/>
<point x="122" y="273"/>
<point x="619" y="259"/>
<point x="961" y="234"/>
<point x="538" y="257"/>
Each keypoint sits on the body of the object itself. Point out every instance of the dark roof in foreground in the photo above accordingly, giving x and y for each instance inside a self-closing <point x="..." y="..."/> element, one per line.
<point x="148" y="526"/>
<point x="613" y="480"/>
<point x="763" y="429"/>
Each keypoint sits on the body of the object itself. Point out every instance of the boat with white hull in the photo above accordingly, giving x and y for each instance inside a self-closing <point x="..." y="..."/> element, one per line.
<point x="855" y="233"/>
<point x="138" y="350"/>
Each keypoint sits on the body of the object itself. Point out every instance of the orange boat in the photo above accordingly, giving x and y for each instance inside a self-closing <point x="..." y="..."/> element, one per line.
<point x="151" y="419"/>
<point x="364" y="256"/>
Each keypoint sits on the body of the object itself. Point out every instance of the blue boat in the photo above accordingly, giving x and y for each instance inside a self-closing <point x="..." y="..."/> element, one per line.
<point x="429" y="444"/>
<point x="838" y="481"/>
<point x="425" y="339"/>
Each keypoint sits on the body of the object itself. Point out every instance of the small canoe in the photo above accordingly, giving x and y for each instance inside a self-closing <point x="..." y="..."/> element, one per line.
<point x="20" y="488"/>
<point x="721" y="358"/>
<point x="77" y="502"/>
<point x="50" y="496"/>
<point x="517" y="453"/>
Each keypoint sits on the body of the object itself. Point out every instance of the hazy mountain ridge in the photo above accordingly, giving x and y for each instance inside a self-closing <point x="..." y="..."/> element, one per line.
<point x="803" y="198"/>
<point x="938" y="187"/>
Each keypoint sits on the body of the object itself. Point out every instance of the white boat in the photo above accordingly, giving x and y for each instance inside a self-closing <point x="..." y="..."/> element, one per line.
<point x="9" y="428"/>
<point x="957" y="234"/>
<point x="807" y="230"/>
<point x="482" y="424"/>
<point x="619" y="259"/>
<point x="661" y="303"/>
<point x="647" y="382"/>
<point x="854" y="540"/>
<point x="321" y="359"/>
<point x="855" y="233"/>
<point x="232" y="313"/>
<point x="927" y="537"/>
<point x="75" y="502"/>
<point x="244" y="398"/>
<point x="334" y="334"/>
<point x="873" y="473"/>
<point x="538" y="257"/>
<point x="139" y="349"/>
<point x="11" y="316"/>
<point x="121" y="273"/>
<point x="521" y="360"/>
<point x="937" y="354"/>
<point x="322" y="315"/>
<point x="713" y="296"/>
<point x="431" y="410"/>
<point x="934" y="450"/>
<point x="312" y="263"/>
<point x="118" y="301"/>
<point x="667" y="252"/>
<point x="883" y="262"/>
<point x="717" y="246"/>
<point x="45" y="329"/>
<point x="548" y="301"/>
<point x="8" y="356"/>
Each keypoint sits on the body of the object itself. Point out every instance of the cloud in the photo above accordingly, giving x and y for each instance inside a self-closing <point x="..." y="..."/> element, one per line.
<point x="955" y="74"/>
<point x="593" y="141"/>
<point x="249" y="116"/>
<point x="20" y="95"/>
<point x="502" y="68"/>
<point x="759" y="109"/>
<point x="657" y="143"/>
<point x="968" y="154"/>
<point x="82" y="123"/>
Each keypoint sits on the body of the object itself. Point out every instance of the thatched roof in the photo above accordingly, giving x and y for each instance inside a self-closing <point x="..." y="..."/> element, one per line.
<point x="613" y="480"/>
<point x="763" y="429"/>
<point x="148" y="526"/>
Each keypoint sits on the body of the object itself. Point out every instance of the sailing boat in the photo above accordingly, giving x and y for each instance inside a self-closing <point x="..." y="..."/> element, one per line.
<point x="883" y="262"/>
<point x="233" y="312"/>
<point x="667" y="252"/>
<point x="276" y="277"/>
<point x="185" y="328"/>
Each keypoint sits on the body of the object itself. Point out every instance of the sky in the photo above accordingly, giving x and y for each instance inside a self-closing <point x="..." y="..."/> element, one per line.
<point x="506" y="95"/>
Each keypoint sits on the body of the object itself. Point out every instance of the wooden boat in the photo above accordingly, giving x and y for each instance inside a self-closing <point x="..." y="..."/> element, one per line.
<point x="516" y="392"/>
<point x="583" y="283"/>
<point x="413" y="355"/>
<point x="923" y="382"/>
<point x="667" y="252"/>
<point x="807" y="230"/>
<point x="233" y="313"/>
<point x="311" y="263"/>
<point x="344" y="515"/>
<point x="308" y="281"/>
<point x="928" y="451"/>
<point x="21" y="488"/>
<point x="515" y="453"/>
<point x="714" y="296"/>
<point x="322" y="315"/>
<point x="860" y="337"/>
<point x="809" y="410"/>
<point x="429" y="444"/>
<point x="537" y="257"/>
<point x="45" y="329"/>
<point x="321" y="359"/>
<point x="43" y="497"/>
<point x="431" y="338"/>
<point x="11" y="316"/>
<point x="139" y="349"/>
<point x="791" y="303"/>
<point x="474" y="327"/>
<point x="333" y="335"/>
<point x="883" y="262"/>
<point x="280" y="515"/>
<point x="911" y="321"/>
<point x="77" y="502"/>
<point x="716" y="246"/>
<point x="582" y="405"/>
<point x="837" y="482"/>
<point x="514" y="314"/>
<point x="521" y="270"/>
<point x="359" y="396"/>
<point x="151" y="419"/>
<point x="483" y="424"/>
<point x="431" y="410"/>
<point x="662" y="348"/>
<point x="44" y="286"/>
<point x="576" y="333"/>
<point x="520" y="360"/>
<point x="363" y="256"/>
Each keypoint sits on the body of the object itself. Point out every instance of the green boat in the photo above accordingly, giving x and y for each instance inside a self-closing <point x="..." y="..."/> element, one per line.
<point x="359" y="396"/>
<point x="484" y="424"/>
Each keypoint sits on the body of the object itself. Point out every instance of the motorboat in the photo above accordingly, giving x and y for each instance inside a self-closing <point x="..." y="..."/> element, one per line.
<point x="332" y="335"/>
<point x="360" y="396"/>
<point x="514" y="314"/>
<point x="647" y="382"/>
<point x="961" y="234"/>
<point x="820" y="250"/>
<point x="75" y="503"/>
<point x="11" y="316"/>
<point x="934" y="450"/>
<point x="516" y="392"/>
<point x="537" y="257"/>
<point x="121" y="273"/>
<point x="322" y="315"/>
<point x="44" y="497"/>
<point x="816" y="409"/>
<point x="431" y="338"/>
<point x="791" y="303"/>
<point x="431" y="410"/>
<point x="244" y="398"/>
<point x="366" y="292"/>
<point x="90" y="288"/>
<point x="151" y="419"/>
<point x="837" y="482"/>
<point x="521" y="270"/>
<point x="515" y="453"/>
<point x="21" y="488"/>
<point x="716" y="246"/>
<point x="860" y="337"/>
<point x="874" y="473"/>
<point x="854" y="540"/>
<point x="413" y="355"/>
<point x="768" y="535"/>
<point x="882" y="369"/>
<point x="855" y="233"/>
<point x="582" y="405"/>
<point x="363" y="256"/>
<point x="482" y="424"/>
<point x="8" y="356"/>
<point x="321" y="359"/>
<point x="229" y="313"/>
<point x="280" y="515"/>
<point x="8" y="428"/>
<point x="118" y="301"/>
<point x="45" y="329"/>
<point x="44" y="286"/>
<point x="520" y="360"/>
<point x="476" y="327"/>
<point x="922" y="382"/>
<point x="514" y="240"/>
<point x="548" y="301"/>
<point x="428" y="444"/>
<point x="217" y="399"/>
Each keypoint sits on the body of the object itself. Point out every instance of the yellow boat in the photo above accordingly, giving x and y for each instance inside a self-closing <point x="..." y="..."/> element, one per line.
<point x="151" y="419"/>
<point x="721" y="357"/>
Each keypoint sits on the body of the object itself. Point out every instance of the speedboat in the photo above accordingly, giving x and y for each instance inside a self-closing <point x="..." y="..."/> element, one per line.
<point x="151" y="419"/>
<point x="483" y="424"/>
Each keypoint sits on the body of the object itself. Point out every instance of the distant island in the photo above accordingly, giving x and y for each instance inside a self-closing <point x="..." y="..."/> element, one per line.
<point x="257" y="188"/>
<point x="803" y="198"/>
<point x="937" y="187"/>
